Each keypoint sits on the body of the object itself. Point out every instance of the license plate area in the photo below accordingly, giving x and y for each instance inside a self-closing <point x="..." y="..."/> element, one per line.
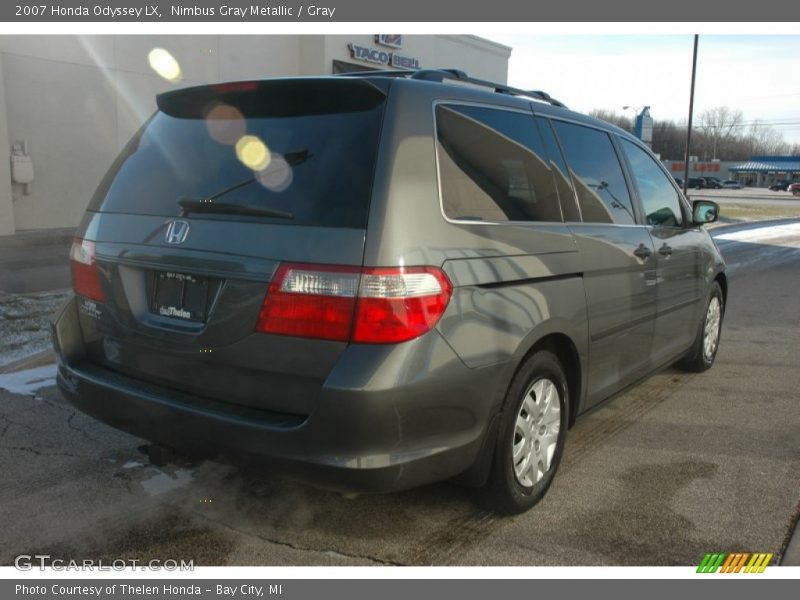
<point x="180" y="296"/>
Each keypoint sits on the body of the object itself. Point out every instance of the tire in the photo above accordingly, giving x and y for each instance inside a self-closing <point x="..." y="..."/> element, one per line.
<point x="701" y="357"/>
<point x="512" y="488"/>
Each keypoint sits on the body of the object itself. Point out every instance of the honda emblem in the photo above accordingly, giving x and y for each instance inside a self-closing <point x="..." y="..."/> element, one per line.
<point x="177" y="232"/>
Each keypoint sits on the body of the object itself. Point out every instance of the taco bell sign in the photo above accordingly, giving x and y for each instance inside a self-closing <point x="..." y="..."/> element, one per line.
<point x="382" y="57"/>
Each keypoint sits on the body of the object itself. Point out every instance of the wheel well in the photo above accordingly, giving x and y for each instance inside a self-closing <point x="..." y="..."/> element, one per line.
<point x="566" y="352"/>
<point x="722" y="279"/>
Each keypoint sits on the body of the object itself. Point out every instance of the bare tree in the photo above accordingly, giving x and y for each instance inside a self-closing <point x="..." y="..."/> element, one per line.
<point x="722" y="133"/>
<point x="766" y="140"/>
<point x="609" y="116"/>
<point x="719" y="125"/>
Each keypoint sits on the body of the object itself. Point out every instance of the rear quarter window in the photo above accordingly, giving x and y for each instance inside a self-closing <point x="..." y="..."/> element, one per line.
<point x="492" y="166"/>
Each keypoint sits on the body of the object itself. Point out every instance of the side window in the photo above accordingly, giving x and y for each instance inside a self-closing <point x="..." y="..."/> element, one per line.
<point x="560" y="172"/>
<point x="492" y="166"/>
<point x="602" y="192"/>
<point x="660" y="201"/>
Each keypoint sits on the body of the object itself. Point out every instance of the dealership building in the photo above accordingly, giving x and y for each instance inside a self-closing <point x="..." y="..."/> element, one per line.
<point x="69" y="103"/>
<point x="763" y="171"/>
<point x="759" y="171"/>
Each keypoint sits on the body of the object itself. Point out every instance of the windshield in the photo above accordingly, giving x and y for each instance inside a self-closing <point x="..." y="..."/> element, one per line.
<point x="318" y="167"/>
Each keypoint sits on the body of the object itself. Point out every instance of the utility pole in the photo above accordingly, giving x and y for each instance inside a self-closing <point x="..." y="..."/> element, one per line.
<point x="691" y="113"/>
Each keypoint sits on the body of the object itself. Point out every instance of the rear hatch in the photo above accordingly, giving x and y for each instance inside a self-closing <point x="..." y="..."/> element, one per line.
<point x="190" y="224"/>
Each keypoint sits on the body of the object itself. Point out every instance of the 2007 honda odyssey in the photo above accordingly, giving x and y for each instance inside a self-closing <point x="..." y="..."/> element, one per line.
<point x="382" y="280"/>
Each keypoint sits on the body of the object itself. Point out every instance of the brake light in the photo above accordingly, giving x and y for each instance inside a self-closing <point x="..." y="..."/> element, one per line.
<point x="85" y="278"/>
<point x="314" y="301"/>
<point x="370" y="305"/>
<point x="399" y="304"/>
<point x="235" y="86"/>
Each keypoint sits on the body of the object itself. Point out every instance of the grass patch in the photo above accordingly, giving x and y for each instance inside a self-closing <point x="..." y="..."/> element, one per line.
<point x="749" y="212"/>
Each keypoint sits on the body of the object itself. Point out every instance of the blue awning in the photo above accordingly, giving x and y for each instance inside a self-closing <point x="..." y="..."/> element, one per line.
<point x="758" y="166"/>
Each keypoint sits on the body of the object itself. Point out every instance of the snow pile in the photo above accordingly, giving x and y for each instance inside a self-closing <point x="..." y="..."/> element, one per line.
<point x="28" y="382"/>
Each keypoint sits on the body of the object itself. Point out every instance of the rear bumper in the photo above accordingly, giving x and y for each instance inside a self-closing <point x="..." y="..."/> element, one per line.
<point x="363" y="435"/>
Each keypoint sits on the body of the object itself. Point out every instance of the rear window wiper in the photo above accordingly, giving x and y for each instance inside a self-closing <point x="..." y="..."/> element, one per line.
<point x="209" y="204"/>
<point x="205" y="205"/>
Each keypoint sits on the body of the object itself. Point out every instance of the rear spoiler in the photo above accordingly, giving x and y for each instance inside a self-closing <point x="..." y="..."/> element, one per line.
<point x="287" y="97"/>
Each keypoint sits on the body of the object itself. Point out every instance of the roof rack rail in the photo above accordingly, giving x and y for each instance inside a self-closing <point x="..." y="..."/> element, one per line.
<point x="440" y="75"/>
<point x="376" y="73"/>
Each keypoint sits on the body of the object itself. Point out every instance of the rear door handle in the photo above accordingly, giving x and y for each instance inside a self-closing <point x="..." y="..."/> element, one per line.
<point x="665" y="250"/>
<point x="643" y="252"/>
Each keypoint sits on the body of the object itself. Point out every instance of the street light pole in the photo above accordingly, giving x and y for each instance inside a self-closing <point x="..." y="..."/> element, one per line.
<point x="689" y="129"/>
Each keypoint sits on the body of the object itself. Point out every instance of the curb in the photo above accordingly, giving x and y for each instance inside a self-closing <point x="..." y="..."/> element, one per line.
<point x="790" y="553"/>
<point x="45" y="357"/>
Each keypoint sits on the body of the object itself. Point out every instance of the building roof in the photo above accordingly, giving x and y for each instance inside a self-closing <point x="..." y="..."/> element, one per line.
<point x="764" y="164"/>
<point x="776" y="158"/>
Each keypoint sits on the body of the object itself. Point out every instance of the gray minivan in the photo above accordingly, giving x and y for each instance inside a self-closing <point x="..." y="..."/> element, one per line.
<point x="382" y="280"/>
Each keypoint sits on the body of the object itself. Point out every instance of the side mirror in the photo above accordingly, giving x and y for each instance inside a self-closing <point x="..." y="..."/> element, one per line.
<point x="704" y="211"/>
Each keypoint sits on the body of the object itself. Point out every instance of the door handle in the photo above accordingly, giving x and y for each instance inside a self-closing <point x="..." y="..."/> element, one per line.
<point x="665" y="250"/>
<point x="643" y="252"/>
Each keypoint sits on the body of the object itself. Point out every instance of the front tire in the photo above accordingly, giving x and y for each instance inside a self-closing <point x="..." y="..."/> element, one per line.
<point x="704" y="350"/>
<point x="530" y="441"/>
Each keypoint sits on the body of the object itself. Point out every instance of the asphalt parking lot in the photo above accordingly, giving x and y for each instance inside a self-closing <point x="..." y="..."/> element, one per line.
<point x="681" y="465"/>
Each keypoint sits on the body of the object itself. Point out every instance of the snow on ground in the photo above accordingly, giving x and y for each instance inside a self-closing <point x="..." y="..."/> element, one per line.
<point x="24" y="323"/>
<point x="784" y="234"/>
<point x="28" y="382"/>
<point x="162" y="482"/>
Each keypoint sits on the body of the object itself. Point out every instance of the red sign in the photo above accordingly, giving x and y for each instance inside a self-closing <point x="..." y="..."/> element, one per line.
<point x="698" y="167"/>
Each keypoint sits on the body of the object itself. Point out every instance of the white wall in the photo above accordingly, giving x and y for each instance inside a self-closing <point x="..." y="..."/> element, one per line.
<point x="6" y="199"/>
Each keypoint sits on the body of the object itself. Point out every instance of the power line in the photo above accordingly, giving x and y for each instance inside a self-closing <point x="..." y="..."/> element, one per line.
<point x="756" y="123"/>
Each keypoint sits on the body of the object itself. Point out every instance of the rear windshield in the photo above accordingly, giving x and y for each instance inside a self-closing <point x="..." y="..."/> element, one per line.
<point x="307" y="162"/>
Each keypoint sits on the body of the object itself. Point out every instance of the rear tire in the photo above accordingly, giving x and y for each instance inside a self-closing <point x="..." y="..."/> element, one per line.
<point x="704" y="349"/>
<point x="530" y="441"/>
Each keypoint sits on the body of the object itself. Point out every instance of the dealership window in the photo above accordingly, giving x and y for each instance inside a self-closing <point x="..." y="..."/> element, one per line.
<point x="659" y="198"/>
<point x="600" y="185"/>
<point x="493" y="167"/>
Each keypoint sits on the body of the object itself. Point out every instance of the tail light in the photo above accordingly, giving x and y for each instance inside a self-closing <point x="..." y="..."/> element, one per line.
<point x="85" y="278"/>
<point x="370" y="305"/>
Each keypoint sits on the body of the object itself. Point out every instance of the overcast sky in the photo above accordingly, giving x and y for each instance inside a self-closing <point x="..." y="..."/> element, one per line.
<point x="758" y="74"/>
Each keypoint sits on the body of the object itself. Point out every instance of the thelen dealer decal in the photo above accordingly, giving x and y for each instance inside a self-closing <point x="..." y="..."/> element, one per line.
<point x="735" y="562"/>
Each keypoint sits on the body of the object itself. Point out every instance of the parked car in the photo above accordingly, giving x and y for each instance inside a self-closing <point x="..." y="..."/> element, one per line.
<point x="697" y="183"/>
<point x="679" y="182"/>
<point x="712" y="183"/>
<point x="794" y="188"/>
<point x="378" y="281"/>
<point x="731" y="184"/>
<point x="780" y="186"/>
